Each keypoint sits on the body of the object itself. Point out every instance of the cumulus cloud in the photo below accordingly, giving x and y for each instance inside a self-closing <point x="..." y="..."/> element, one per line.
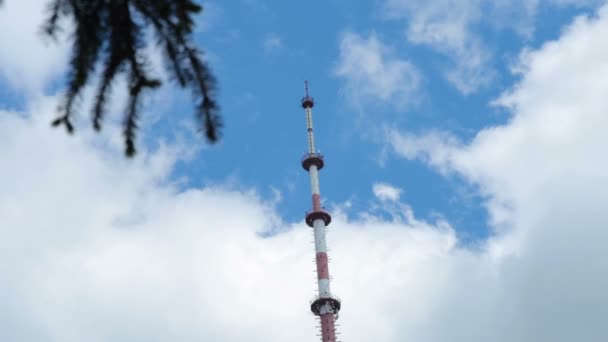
<point x="28" y="62"/>
<point x="96" y="247"/>
<point x="542" y="174"/>
<point x="434" y="147"/>
<point x="386" y="192"/>
<point x="372" y="72"/>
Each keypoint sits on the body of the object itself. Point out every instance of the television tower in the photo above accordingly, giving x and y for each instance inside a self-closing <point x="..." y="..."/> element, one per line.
<point x="324" y="305"/>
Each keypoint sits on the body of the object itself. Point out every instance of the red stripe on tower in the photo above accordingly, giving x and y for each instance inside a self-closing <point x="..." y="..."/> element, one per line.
<point x="328" y="330"/>
<point x="322" y="266"/>
<point x="316" y="202"/>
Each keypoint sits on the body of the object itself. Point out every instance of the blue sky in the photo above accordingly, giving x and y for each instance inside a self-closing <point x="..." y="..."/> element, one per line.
<point x="465" y="171"/>
<point x="262" y="52"/>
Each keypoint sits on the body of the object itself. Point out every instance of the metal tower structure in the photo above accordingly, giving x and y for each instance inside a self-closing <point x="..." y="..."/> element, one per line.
<point x="324" y="305"/>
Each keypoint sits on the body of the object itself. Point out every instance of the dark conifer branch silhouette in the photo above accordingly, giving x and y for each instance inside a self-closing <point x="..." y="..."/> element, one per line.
<point x="111" y="32"/>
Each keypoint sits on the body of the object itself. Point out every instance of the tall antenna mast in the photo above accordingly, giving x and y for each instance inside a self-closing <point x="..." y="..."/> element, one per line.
<point x="324" y="305"/>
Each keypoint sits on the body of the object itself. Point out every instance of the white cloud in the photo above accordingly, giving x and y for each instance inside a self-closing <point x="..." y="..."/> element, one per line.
<point x="87" y="231"/>
<point x="446" y="26"/>
<point x="434" y="147"/>
<point x="543" y="174"/>
<point x="386" y="192"/>
<point x="450" y="27"/>
<point x="29" y="61"/>
<point x="372" y="72"/>
<point x="272" y="43"/>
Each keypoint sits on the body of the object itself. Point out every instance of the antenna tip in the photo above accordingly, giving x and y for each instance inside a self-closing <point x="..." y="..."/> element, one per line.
<point x="307" y="101"/>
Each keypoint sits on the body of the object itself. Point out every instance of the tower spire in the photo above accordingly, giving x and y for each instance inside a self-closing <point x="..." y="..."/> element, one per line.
<point x="324" y="305"/>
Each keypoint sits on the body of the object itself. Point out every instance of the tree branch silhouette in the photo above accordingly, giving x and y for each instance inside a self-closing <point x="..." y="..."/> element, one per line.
<point x="110" y="33"/>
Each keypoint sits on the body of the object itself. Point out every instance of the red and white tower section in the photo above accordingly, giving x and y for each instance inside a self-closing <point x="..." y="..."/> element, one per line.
<point x="324" y="305"/>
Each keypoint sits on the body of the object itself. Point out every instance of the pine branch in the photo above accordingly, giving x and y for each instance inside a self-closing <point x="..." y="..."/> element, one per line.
<point x="55" y="8"/>
<point x="85" y="51"/>
<point x="106" y="30"/>
<point x="187" y="65"/>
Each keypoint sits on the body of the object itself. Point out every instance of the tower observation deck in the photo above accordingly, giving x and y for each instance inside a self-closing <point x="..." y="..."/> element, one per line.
<point x="325" y="305"/>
